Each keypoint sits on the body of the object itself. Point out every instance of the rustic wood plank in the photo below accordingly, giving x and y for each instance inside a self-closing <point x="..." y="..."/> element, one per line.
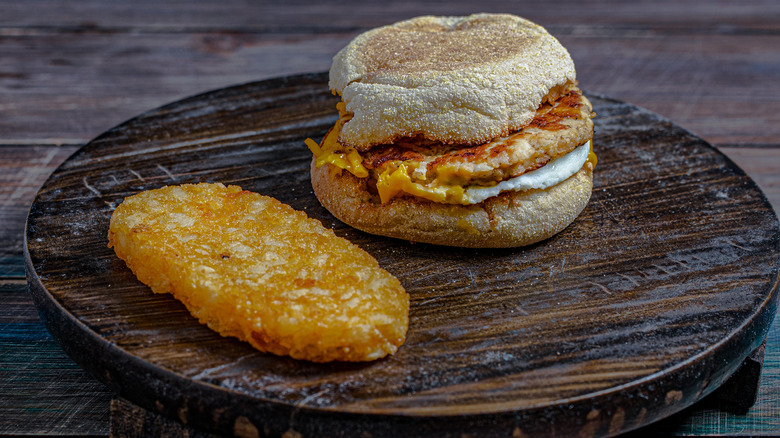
<point x="131" y="421"/>
<point x="17" y="306"/>
<point x="73" y="87"/>
<point x="26" y="167"/>
<point x="56" y="92"/>
<point x="661" y="303"/>
<point x="673" y="75"/>
<point x="20" y="309"/>
<point x="72" y="84"/>
<point x="23" y="169"/>
<point x="713" y="417"/>
<point x="41" y="390"/>
<point x="188" y="15"/>
<point x="128" y="419"/>
<point x="762" y="166"/>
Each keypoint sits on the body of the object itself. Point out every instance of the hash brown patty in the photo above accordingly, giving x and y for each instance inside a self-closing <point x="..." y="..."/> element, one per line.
<point x="252" y="267"/>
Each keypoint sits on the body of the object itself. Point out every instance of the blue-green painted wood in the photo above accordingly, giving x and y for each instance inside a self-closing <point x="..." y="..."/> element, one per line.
<point x="42" y="391"/>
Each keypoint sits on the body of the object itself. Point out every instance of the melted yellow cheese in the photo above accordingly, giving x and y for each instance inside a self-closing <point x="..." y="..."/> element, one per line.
<point x="592" y="158"/>
<point x="330" y="151"/>
<point x="393" y="180"/>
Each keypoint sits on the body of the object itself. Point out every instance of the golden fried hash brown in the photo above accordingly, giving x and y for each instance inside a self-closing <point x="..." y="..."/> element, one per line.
<point x="252" y="267"/>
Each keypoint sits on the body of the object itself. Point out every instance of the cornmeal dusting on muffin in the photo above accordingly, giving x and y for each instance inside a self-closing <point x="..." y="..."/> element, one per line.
<point x="459" y="80"/>
<point x="254" y="268"/>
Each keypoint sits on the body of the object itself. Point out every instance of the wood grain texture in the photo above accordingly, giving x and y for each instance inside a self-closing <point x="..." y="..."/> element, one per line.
<point x="70" y="70"/>
<point x="131" y="421"/>
<point x="757" y="15"/>
<point x="762" y="165"/>
<point x="33" y="368"/>
<point x="643" y="306"/>
<point x="676" y="83"/>
<point x="713" y="418"/>
<point x="23" y="170"/>
<point x="73" y="70"/>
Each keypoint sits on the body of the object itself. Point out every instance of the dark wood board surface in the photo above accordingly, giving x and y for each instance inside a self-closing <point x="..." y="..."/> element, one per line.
<point x="648" y="302"/>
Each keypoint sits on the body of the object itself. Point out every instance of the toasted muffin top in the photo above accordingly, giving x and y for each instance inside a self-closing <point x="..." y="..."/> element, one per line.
<point x="460" y="80"/>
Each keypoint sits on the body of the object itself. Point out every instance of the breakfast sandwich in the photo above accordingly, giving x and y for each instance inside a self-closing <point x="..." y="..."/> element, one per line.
<point x="461" y="131"/>
<point x="251" y="267"/>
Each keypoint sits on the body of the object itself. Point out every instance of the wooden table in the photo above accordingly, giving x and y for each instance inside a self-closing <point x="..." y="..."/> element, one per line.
<point x="71" y="70"/>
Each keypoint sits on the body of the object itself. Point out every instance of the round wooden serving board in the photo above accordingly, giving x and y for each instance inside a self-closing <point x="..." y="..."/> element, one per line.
<point x="644" y="305"/>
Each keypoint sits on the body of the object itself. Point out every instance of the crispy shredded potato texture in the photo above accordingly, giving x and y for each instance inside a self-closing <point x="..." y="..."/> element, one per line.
<point x="254" y="268"/>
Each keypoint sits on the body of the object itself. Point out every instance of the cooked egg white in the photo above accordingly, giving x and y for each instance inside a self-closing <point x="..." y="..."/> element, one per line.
<point x="554" y="172"/>
<point x="398" y="179"/>
<point x="393" y="182"/>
